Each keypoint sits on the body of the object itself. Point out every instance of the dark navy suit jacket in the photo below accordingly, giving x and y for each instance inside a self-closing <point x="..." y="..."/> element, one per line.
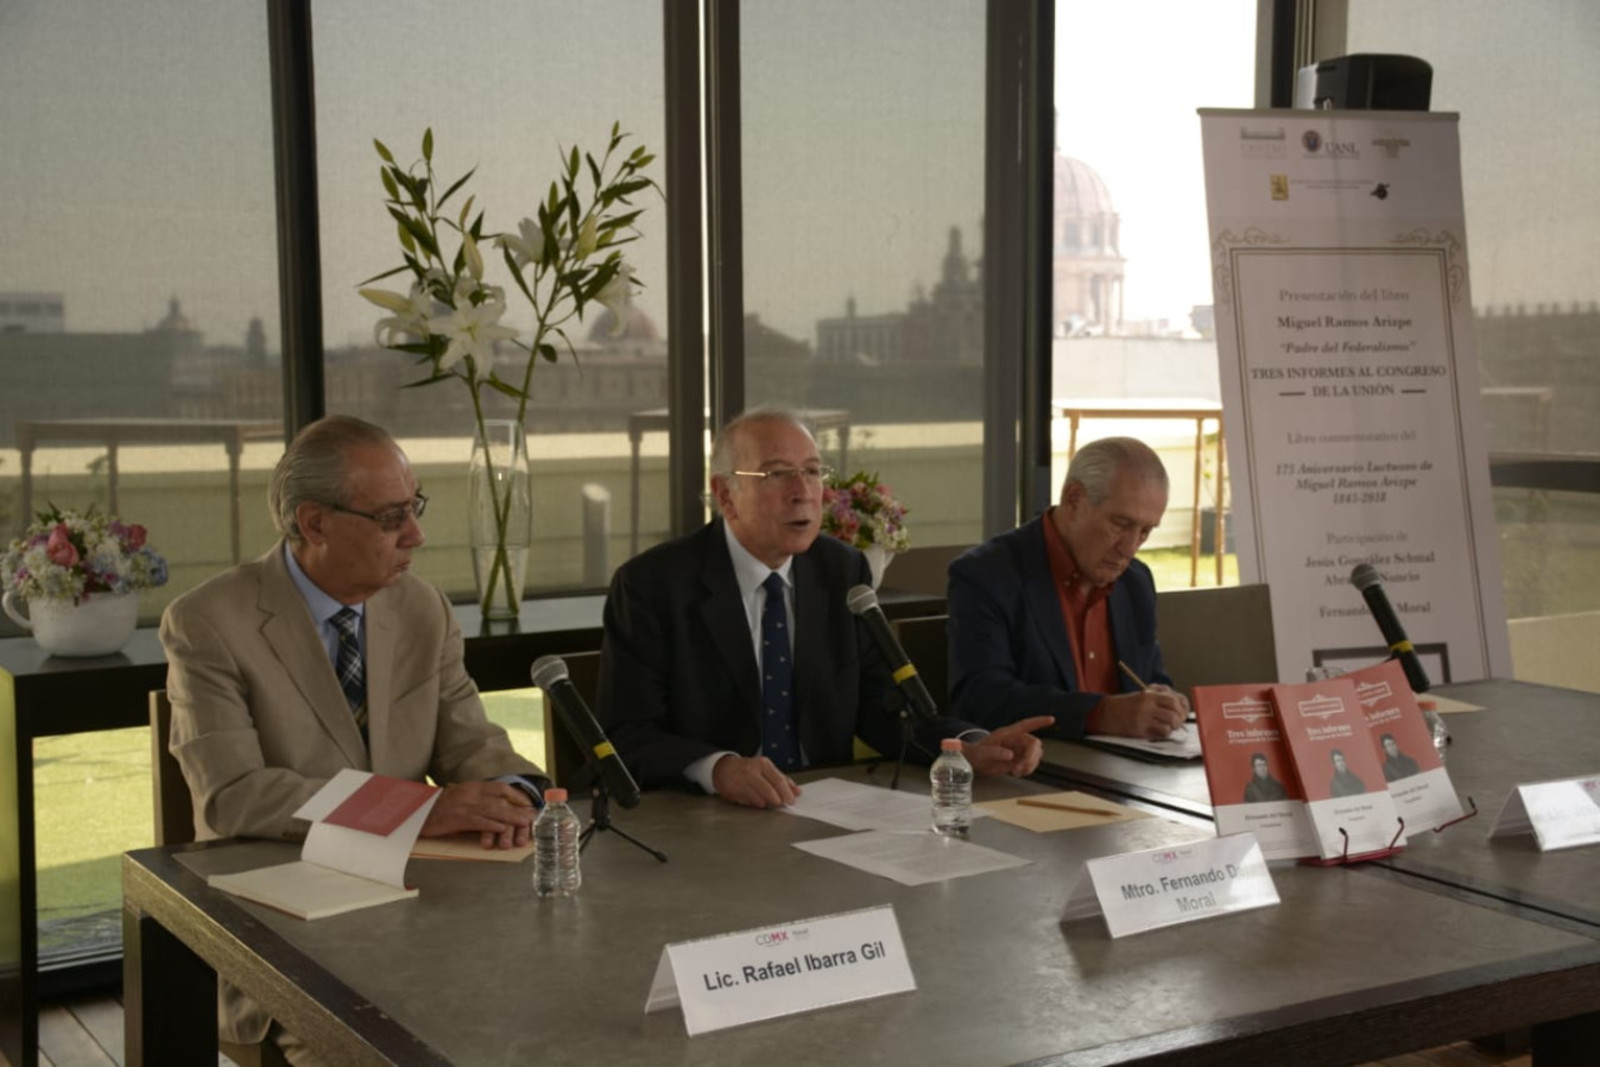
<point x="1009" y="653"/>
<point x="678" y="677"/>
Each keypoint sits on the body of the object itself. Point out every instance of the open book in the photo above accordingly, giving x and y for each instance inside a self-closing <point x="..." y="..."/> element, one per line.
<point x="362" y="829"/>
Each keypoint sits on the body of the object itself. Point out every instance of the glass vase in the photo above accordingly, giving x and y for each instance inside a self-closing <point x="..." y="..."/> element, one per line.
<point x="499" y="515"/>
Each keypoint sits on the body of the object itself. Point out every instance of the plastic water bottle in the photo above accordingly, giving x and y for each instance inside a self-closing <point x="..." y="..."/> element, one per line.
<point x="951" y="776"/>
<point x="555" y="848"/>
<point x="1435" y="721"/>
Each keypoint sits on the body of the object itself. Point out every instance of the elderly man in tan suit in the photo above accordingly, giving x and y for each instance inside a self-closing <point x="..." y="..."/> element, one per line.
<point x="324" y="654"/>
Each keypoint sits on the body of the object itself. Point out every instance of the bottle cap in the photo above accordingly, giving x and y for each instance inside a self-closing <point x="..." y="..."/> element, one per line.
<point x="950" y="744"/>
<point x="555" y="795"/>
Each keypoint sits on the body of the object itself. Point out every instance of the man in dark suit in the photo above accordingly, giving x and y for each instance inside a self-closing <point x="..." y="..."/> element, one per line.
<point x="1040" y="617"/>
<point x="730" y="658"/>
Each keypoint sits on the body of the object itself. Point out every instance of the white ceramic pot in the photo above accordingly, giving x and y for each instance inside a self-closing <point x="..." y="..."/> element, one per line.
<point x="878" y="558"/>
<point x="99" y="626"/>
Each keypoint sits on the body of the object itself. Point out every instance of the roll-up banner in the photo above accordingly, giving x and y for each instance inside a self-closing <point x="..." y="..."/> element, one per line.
<point x="1350" y="384"/>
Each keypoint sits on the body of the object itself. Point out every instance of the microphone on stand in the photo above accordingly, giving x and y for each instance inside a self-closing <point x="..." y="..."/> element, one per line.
<point x="550" y="674"/>
<point x="863" y="604"/>
<point x="1365" y="578"/>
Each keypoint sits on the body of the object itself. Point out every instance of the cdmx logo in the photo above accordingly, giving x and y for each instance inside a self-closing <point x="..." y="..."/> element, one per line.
<point x="1169" y="856"/>
<point x="776" y="937"/>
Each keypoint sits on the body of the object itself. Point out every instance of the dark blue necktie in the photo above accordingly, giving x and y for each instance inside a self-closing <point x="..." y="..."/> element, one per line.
<point x="779" y="741"/>
<point x="352" y="674"/>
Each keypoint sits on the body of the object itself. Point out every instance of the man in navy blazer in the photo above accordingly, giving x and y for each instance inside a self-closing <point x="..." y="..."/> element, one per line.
<point x="1042" y="617"/>
<point x="683" y="687"/>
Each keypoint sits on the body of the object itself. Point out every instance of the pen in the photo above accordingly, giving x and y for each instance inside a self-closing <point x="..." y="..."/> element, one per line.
<point x="1129" y="672"/>
<point x="1035" y="802"/>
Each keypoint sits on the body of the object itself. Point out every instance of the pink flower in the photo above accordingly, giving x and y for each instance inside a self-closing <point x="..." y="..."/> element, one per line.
<point x="60" y="548"/>
<point x="136" y="536"/>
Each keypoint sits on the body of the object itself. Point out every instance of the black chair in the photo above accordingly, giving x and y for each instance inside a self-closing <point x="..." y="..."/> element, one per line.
<point x="925" y="644"/>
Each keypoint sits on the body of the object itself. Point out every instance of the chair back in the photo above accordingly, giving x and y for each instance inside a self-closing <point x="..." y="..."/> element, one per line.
<point x="1217" y="636"/>
<point x="924" y="641"/>
<point x="174" y="809"/>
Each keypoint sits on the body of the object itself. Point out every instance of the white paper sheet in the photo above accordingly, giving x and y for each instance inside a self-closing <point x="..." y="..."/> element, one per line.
<point x="911" y="859"/>
<point x="856" y="806"/>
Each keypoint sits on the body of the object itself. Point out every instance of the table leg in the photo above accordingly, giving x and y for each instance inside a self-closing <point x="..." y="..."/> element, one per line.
<point x="1567" y="1042"/>
<point x="169" y="997"/>
<point x="111" y="476"/>
<point x="1222" y="502"/>
<point x="1194" y="522"/>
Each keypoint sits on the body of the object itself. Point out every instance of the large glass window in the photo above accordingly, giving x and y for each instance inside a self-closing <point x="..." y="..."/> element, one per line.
<point x="862" y="131"/>
<point x="1133" y="350"/>
<point x="505" y="87"/>
<point x="1524" y="81"/>
<point x="139" y="355"/>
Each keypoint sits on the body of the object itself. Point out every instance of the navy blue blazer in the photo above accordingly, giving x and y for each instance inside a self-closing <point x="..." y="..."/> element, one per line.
<point x="1009" y="652"/>
<point x="678" y="676"/>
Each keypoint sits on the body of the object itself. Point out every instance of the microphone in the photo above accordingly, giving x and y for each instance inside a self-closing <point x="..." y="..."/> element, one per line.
<point x="550" y="674"/>
<point x="863" y="604"/>
<point x="1365" y="578"/>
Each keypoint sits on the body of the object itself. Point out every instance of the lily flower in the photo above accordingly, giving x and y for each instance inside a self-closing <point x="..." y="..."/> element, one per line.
<point x="616" y="296"/>
<point x="410" y="323"/>
<point x="528" y="247"/>
<point x="474" y="258"/>
<point x="472" y="329"/>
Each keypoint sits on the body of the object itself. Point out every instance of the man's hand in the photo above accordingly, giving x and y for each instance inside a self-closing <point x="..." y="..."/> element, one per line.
<point x="1152" y="714"/>
<point x="1009" y="750"/>
<point x="501" y="814"/>
<point x="753" y="781"/>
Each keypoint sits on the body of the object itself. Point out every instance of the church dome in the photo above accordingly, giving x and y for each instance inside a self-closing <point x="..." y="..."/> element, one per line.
<point x="1080" y="191"/>
<point x="639" y="327"/>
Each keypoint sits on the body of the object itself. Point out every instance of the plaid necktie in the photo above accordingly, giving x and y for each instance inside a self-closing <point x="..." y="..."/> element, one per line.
<point x="352" y="674"/>
<point x="780" y="744"/>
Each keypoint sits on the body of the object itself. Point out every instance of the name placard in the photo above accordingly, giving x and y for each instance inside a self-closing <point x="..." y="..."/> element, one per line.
<point x="1158" y="887"/>
<point x="743" y="977"/>
<point x="1561" y="814"/>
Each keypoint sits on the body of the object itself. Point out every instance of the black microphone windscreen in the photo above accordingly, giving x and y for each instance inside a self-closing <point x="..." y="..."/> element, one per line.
<point x="861" y="599"/>
<point x="548" y="670"/>
<point x="1364" y="576"/>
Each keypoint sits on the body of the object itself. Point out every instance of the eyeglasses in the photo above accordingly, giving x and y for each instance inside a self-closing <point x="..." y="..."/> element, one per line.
<point x="790" y="476"/>
<point x="390" y="520"/>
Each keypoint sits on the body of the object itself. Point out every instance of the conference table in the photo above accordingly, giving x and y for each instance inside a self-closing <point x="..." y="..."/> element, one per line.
<point x="1354" y="963"/>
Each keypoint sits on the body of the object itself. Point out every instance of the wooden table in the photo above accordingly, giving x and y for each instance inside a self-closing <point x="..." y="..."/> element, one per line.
<point x="44" y="696"/>
<point x="1198" y="411"/>
<point x="1354" y="964"/>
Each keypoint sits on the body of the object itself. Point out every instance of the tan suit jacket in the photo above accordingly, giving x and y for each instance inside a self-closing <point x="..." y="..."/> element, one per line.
<point x="259" y="722"/>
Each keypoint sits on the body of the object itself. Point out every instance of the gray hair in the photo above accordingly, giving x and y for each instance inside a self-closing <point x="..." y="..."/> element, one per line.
<point x="1096" y="463"/>
<point x="723" y="448"/>
<point x="315" y="468"/>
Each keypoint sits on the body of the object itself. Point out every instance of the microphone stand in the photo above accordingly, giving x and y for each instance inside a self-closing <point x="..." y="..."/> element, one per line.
<point x="600" y="821"/>
<point x="908" y="732"/>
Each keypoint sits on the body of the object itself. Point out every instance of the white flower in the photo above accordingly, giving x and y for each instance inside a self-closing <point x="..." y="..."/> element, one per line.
<point x="474" y="258"/>
<point x="527" y="248"/>
<point x="472" y="329"/>
<point x="617" y="295"/>
<point x="410" y="323"/>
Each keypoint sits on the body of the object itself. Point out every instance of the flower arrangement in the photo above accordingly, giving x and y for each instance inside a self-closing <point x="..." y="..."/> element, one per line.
<point x="565" y="259"/>
<point x="862" y="511"/>
<point x="68" y="556"/>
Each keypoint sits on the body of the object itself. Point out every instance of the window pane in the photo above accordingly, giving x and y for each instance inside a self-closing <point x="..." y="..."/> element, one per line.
<point x="138" y="281"/>
<point x="1132" y="276"/>
<point x="504" y="89"/>
<point x="862" y="130"/>
<point x="1524" y="82"/>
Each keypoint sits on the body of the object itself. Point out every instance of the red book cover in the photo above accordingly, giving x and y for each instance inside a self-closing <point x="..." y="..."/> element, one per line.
<point x="1400" y="737"/>
<point x="1328" y="737"/>
<point x="381" y="804"/>
<point x="1246" y="760"/>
